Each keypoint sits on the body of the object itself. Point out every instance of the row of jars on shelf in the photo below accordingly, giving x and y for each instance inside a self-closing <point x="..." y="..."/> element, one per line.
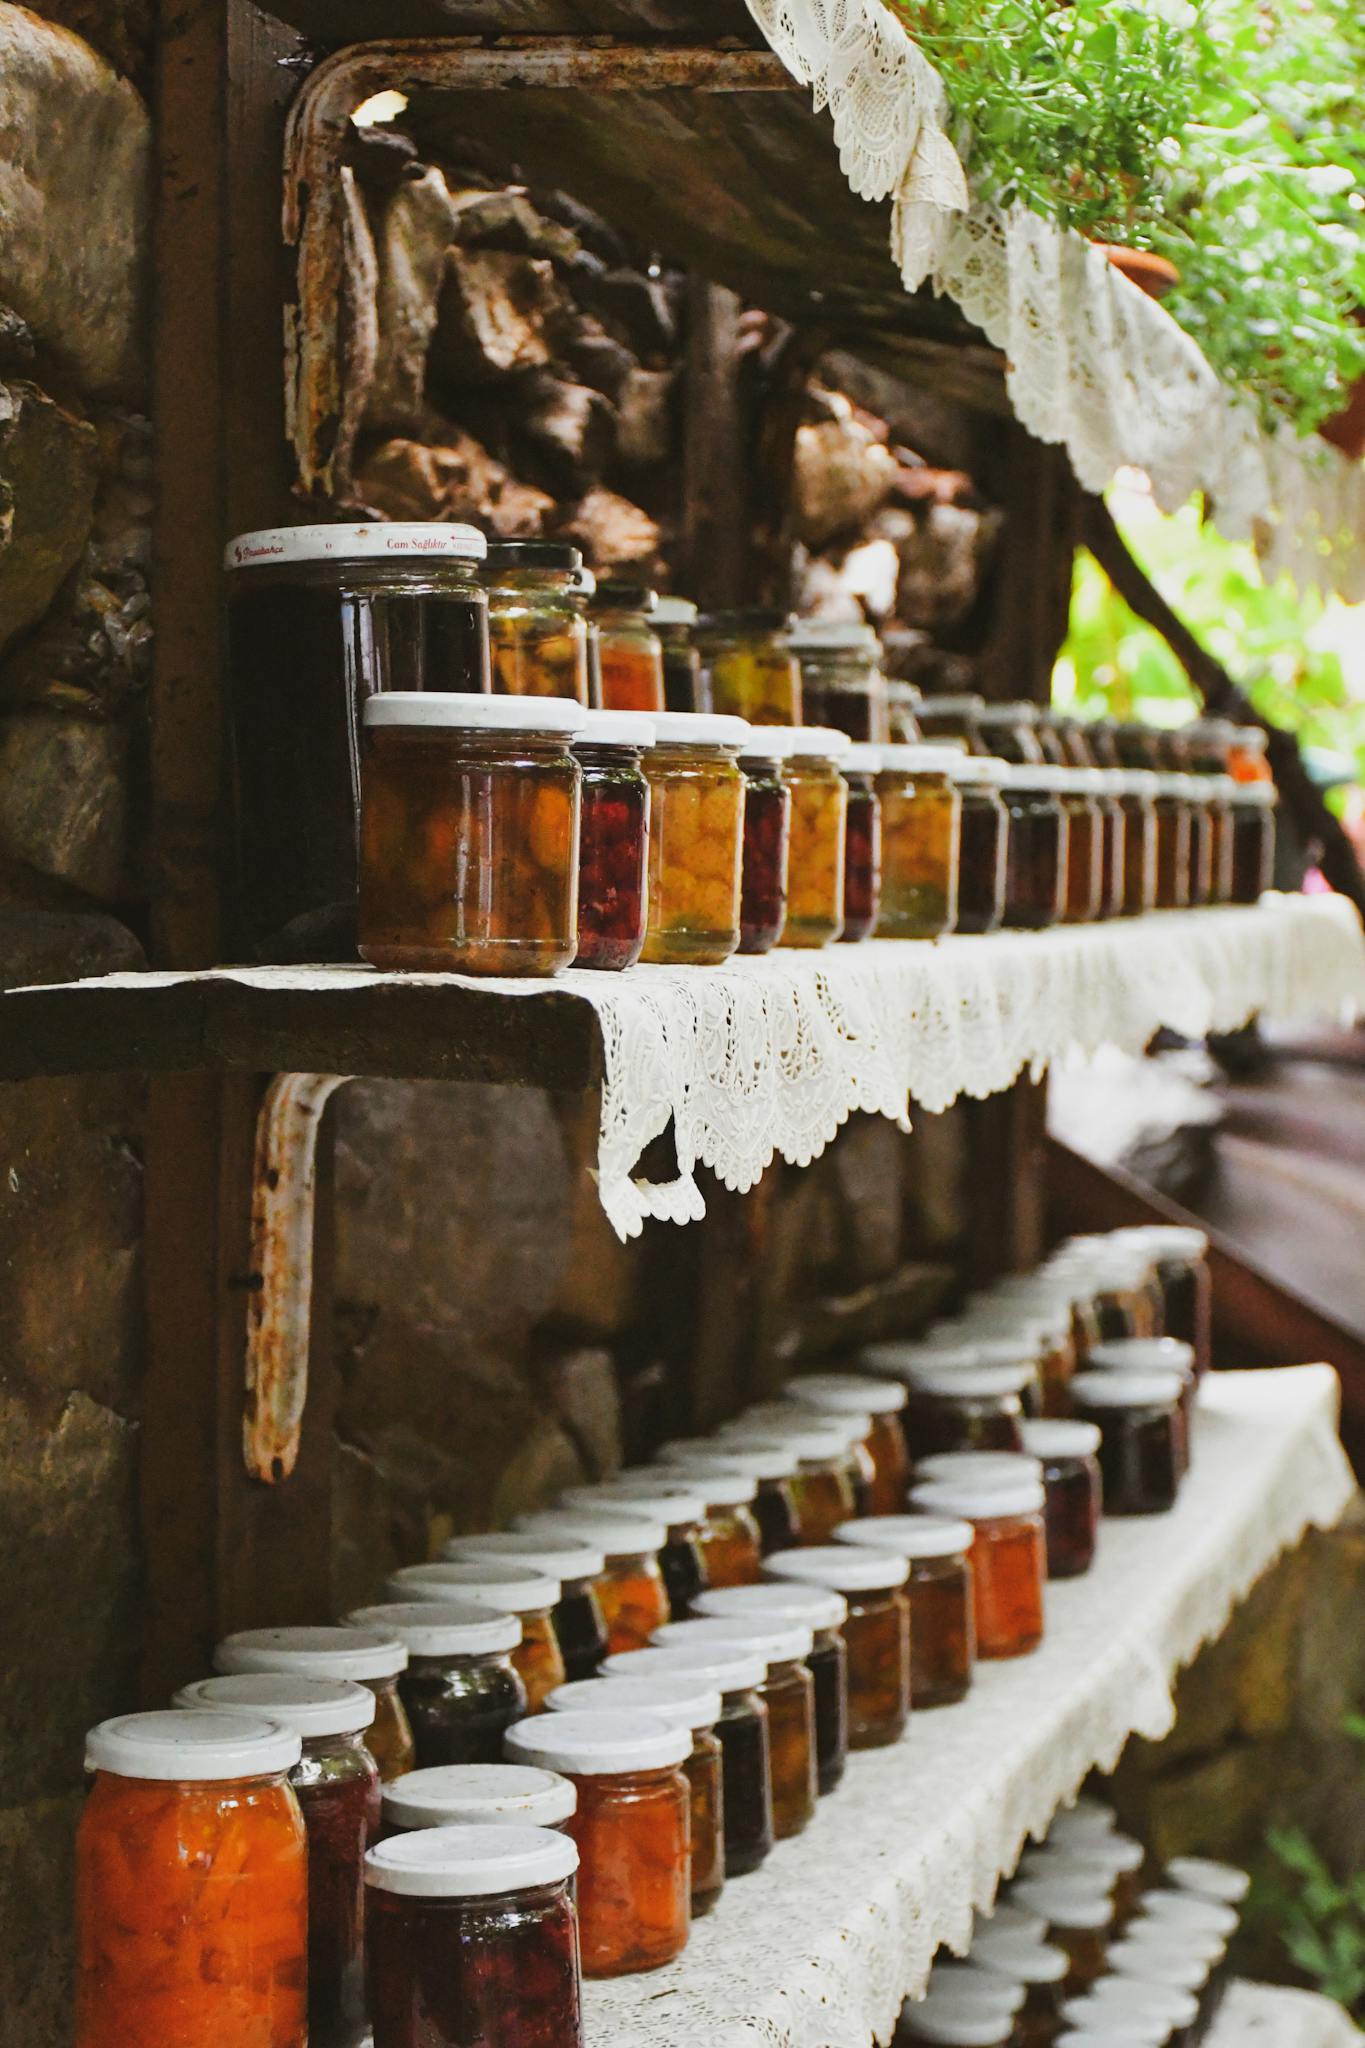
<point x="505" y="836"/>
<point x="754" y="1590"/>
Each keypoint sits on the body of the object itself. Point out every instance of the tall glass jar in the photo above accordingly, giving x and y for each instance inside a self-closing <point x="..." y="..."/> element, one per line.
<point x="1009" y="1557"/>
<point x="903" y="705"/>
<point x="876" y="1633"/>
<point x="748" y="667"/>
<point x="478" y="1795"/>
<point x="1110" y="799"/>
<point x="1138" y="745"/>
<point x="613" y="838"/>
<point x="1181" y="1253"/>
<point x="841" y="679"/>
<point x="1132" y="1356"/>
<point x="983" y="839"/>
<point x="373" y="1658"/>
<point x="1253" y="841"/>
<point x="1080" y="1919"/>
<point x="811" y="758"/>
<point x="1139" y="794"/>
<point x="767" y="837"/>
<point x="731" y="1543"/>
<point x="824" y="1612"/>
<point x="508" y="1588"/>
<point x="630" y="652"/>
<point x="860" y="767"/>
<point x="469" y="834"/>
<point x="1038" y="849"/>
<point x="537" y="635"/>
<point x="1084" y="889"/>
<point x="584" y="591"/>
<point x="953" y="717"/>
<point x="678" y="1506"/>
<point x="856" y="1395"/>
<point x="162" y="1957"/>
<point x="1139" y="1420"/>
<point x="674" y="619"/>
<point x="921" y="816"/>
<point x="631" y="1591"/>
<point x="819" y="1474"/>
<point x="1172" y="844"/>
<point x="1069" y="1453"/>
<point x="788" y="1692"/>
<point x="696" y="838"/>
<point x="1208" y="745"/>
<point x="459" y="1688"/>
<point x="580" y="1626"/>
<point x="320" y="619"/>
<point x="1199" y="803"/>
<point x="1219" y="792"/>
<point x="937" y="1550"/>
<point x="1010" y="732"/>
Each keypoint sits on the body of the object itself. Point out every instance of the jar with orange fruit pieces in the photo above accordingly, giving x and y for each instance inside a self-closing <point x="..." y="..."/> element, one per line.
<point x="630" y="652"/>
<point x="373" y="1659"/>
<point x="921" y="849"/>
<point x="748" y="667"/>
<point x="580" y="1627"/>
<point x="508" y="1588"/>
<point x="819" y="818"/>
<point x="696" y="835"/>
<point x="644" y="1490"/>
<point x="876" y="1633"/>
<point x="788" y="1691"/>
<point x="631" y="1591"/>
<point x="853" y="1393"/>
<point x="537" y="635"/>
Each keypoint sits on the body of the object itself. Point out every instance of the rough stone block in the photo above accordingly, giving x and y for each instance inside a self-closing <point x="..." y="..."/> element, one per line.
<point x="495" y="309"/>
<point x="64" y="799"/>
<point x="49" y="461"/>
<point x="644" y="428"/>
<point x="613" y="533"/>
<point x="413" y="234"/>
<point x="565" y="433"/>
<point x="37" y="1857"/>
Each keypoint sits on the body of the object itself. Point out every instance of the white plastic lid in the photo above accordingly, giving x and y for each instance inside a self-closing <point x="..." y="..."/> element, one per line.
<point x="1144" y="1354"/>
<point x="909" y="1536"/>
<point x="1027" y="1962"/>
<point x="1005" y="1917"/>
<point x="683" y="1701"/>
<point x="938" y="2019"/>
<point x="979" y="1501"/>
<point x="353" y="543"/>
<point x="632" y="1494"/>
<point x="731" y="1668"/>
<point x="844" y="1566"/>
<point x="1110" y="1389"/>
<point x="1064" y="1904"/>
<point x="1176" y="1908"/>
<point x="1114" y="1853"/>
<point x="862" y="758"/>
<point x="847" y="1393"/>
<point x="968" y="1986"/>
<point x="978" y="768"/>
<point x="509" y="1588"/>
<point x="614" y="1535"/>
<point x="699" y="729"/>
<point x="179" y="1748"/>
<point x="817" y="1606"/>
<point x="1159" y="2001"/>
<point x="781" y="1418"/>
<point x="1016" y="1345"/>
<point x="697" y="1458"/>
<point x="313" y="1652"/>
<point x="1153" y="1962"/>
<point x="896" y="1360"/>
<point x="445" y="1628"/>
<point x="1088" y="1817"/>
<point x="447" y="1795"/>
<point x="979" y="1468"/>
<point x="778" y="1638"/>
<point x="597" y="1744"/>
<point x="471" y="711"/>
<point x="307" y="1706"/>
<point x="616" y="729"/>
<point x="1196" y="1944"/>
<point x="910" y="758"/>
<point x="1222" y="1882"/>
<point x="1172" y="1240"/>
<point x="1127" y="2033"/>
<point x="674" y="611"/>
<point x="850" y="634"/>
<point x="720" y="1485"/>
<point x="564" y="1558"/>
<point x="969" y="1382"/>
<point x="1263" y="795"/>
<point x="1048" y="1439"/>
<point x="470" y="1862"/>
<point x="812" y="1442"/>
<point x="806" y="742"/>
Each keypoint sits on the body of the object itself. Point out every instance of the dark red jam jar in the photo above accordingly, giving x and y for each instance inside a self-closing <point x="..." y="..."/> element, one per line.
<point x="1140" y="1424"/>
<point x="1253" y="840"/>
<point x="459" y="1688"/>
<point x="1139" y="789"/>
<point x="824" y="1612"/>
<point x="862" y="842"/>
<point x="1069" y="1455"/>
<point x="767" y="831"/>
<point x="613" y="837"/>
<point x="983" y="846"/>
<point x="1036" y="855"/>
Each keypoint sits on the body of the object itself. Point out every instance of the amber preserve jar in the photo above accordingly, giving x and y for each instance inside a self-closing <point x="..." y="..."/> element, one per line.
<point x="372" y="1657"/>
<point x="473" y="1937"/>
<point x="537" y="635"/>
<point x="921" y="817"/>
<point x="681" y="1510"/>
<point x="459" y="1689"/>
<point x="164" y="1959"/>
<point x="983" y="841"/>
<point x="859" y="1394"/>
<point x="748" y="667"/>
<point x="824" y="1612"/>
<point x="1253" y="841"/>
<point x="811" y="760"/>
<point x="508" y="1588"/>
<point x="630" y="653"/>
<point x="1138" y="794"/>
<point x="1036" y="860"/>
<point x="1009" y="1556"/>
<point x="937" y="1549"/>
<point x="632" y="1826"/>
<point x="696" y="836"/>
<point x="580" y="1627"/>
<point x="613" y="837"/>
<point x="841" y="677"/>
<point x="767" y="836"/>
<point x="674" y="619"/>
<point x="860" y="767"/>
<point x="876" y="1633"/>
<point x="631" y="1592"/>
<point x="469" y="834"/>
<point x="952" y="717"/>
<point x="787" y="1691"/>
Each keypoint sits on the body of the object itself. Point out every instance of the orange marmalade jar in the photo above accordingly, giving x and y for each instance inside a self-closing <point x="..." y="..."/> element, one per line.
<point x="1009" y="1556"/>
<point x="191" y="1886"/>
<point x="696" y="838"/>
<point x="633" y="1829"/>
<point x="810" y="756"/>
<point x="939" y="1589"/>
<point x="876" y="1634"/>
<point x="788" y="1692"/>
<point x="371" y="1657"/>
<point x="851" y="1393"/>
<point x="631" y="1592"/>
<point x="820" y="1479"/>
<point x="510" y="1588"/>
<point x="630" y="652"/>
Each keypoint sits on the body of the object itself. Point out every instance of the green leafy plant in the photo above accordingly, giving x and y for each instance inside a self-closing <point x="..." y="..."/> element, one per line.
<point x="1321" y="1917"/>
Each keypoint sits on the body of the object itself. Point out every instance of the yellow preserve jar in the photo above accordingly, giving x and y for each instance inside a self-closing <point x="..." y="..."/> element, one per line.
<point x="816" y="852"/>
<point x="537" y="634"/>
<point x="921" y="841"/>
<point x="696" y="837"/>
<point x="630" y="652"/>
<point x="748" y="667"/>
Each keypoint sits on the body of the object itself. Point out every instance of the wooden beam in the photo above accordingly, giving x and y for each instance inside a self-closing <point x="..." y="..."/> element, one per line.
<point x="1026" y="600"/>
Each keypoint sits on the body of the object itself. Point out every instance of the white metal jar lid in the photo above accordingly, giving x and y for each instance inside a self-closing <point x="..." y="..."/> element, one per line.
<point x="698" y="1458"/>
<point x="1155" y="1962"/>
<point x="198" y="1748"/>
<point x="1046" y="1438"/>
<point x="732" y="1668"/>
<point x="837" y="635"/>
<point x="1177" y="1908"/>
<point x="1162" y="2001"/>
<point x="957" y="2026"/>
<point x="700" y="729"/>
<point x="648" y="1492"/>
<point x="1064" y="1904"/>
<point x="446" y="1795"/>
<point x="862" y="758"/>
<point x="470" y="1862"/>
<point x="909" y="1536"/>
<point x="844" y="1566"/>
<point x="777" y="1638"/>
<point x="474" y="711"/>
<point x="970" y="1382"/>
<point x="817" y="1606"/>
<point x="979" y="1468"/>
<point x="807" y="1439"/>
<point x="1087" y="1817"/>
<point x="1222" y="1882"/>
<point x="806" y="742"/>
<point x="1028" y="1962"/>
<point x="507" y="1587"/>
<point x="316" y="1652"/>
<point x="847" y="1393"/>
<point x="674" y="611"/>
<point x="1111" y="1389"/>
<point x="1144" y="1354"/>
<point x="634" y="1535"/>
<point x="979" y="1502"/>
<point x="616" y="729"/>
<point x="377" y="538"/>
<point x="444" y="1628"/>
<point x="599" y="1744"/>
<point x="687" y="1702"/>
<point x="308" y="1706"/>
<point x="563" y="1558"/>
<point x="968" y="1985"/>
<point x="899" y="1359"/>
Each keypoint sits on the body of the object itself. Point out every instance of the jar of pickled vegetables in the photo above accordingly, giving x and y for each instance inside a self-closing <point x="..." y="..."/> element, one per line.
<point x="1038" y="849"/>
<point x="580" y="1628"/>
<point x="1138" y="1415"/>
<point x="942" y="1606"/>
<point x="860" y="767"/>
<point x="478" y="1795"/>
<point x="957" y="1404"/>
<point x="824" y="1612"/>
<point x="1199" y="804"/>
<point x="882" y="1400"/>
<point x="373" y="1658"/>
<point x="748" y="667"/>
<point x="664" y="1498"/>
<point x="1010" y="732"/>
<point x="473" y="1936"/>
<point x="1069" y="1452"/>
<point x="1139" y="794"/>
<point x="768" y="1465"/>
<point x="952" y="717"/>
<point x="767" y="831"/>
<point x="508" y="1588"/>
<point x="696" y="837"/>
<point x="983" y="832"/>
<point x="921" y="816"/>
<point x="1114" y="821"/>
<point x="1079" y="1919"/>
<point x="1084" y="887"/>
<point x="630" y="652"/>
<point x="876" y="1633"/>
<point x="469" y="833"/>
<point x="459" y="1688"/>
<point x="1172" y="844"/>
<point x="1253" y="841"/>
<point x="191" y="1885"/>
<point x="787" y="1691"/>
<point x="613" y="837"/>
<point x="337" y="1787"/>
<point x="841" y="678"/>
<point x="537" y="635"/>
<point x="632" y="1825"/>
<point x="1009" y="1557"/>
<point x="674" y="619"/>
<point x="1220" y="791"/>
<point x="631" y="1591"/>
<point x="320" y="619"/>
<point x="818" y="1469"/>
<point x="811" y="758"/>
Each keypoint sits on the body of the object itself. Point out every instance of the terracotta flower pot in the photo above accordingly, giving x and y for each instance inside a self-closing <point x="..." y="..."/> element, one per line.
<point x="1150" y="273"/>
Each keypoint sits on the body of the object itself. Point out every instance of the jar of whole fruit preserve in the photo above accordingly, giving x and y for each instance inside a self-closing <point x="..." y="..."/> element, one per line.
<point x="1139" y="794"/>
<point x="584" y="591"/>
<point x="841" y="678"/>
<point x="824" y="1612"/>
<point x="1181" y="1252"/>
<point x="1010" y="732"/>
<point x="674" y="619"/>
<point x="731" y="1543"/>
<point x="1247" y="751"/>
<point x="1069" y="1453"/>
<point x="613" y="837"/>
<point x="748" y="667"/>
<point x="696" y="838"/>
<point x="371" y="1657"/>
<point x="679" y="1506"/>
<point x="942" y="1605"/>
<point x="473" y="1936"/>
<point x="336" y="1783"/>
<point x="767" y="833"/>
<point x="788" y="1692"/>
<point x="1172" y="843"/>
<point x="768" y="1465"/>
<point x="632" y="1825"/>
<point x="983" y="835"/>
<point x="537" y="635"/>
<point x="509" y="1588"/>
<point x="459" y="1688"/>
<point x="953" y="717"/>
<point x="632" y="1593"/>
<point x="876" y="1633"/>
<point x="921" y="816"/>
<point x="860" y="767"/>
<point x="811" y="756"/>
<point x="1009" y="1556"/>
<point x="1139" y="1420"/>
<point x="580" y="1628"/>
<point x="478" y="1795"/>
<point x="1038" y="849"/>
<point x="1138" y="745"/>
<point x="855" y="1393"/>
<point x="173" y="1796"/>
<point x="1253" y="841"/>
<point x="818" y="1471"/>
<point x="958" y="1404"/>
<point x="630" y="652"/>
<point x="320" y="619"/>
<point x="469" y="834"/>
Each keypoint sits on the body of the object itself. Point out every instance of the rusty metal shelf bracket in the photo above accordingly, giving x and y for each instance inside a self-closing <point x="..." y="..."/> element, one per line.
<point x="280" y="1282"/>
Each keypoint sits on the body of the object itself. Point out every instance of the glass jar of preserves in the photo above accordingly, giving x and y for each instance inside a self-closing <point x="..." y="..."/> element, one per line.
<point x="631" y="1591"/>
<point x="876" y="1633"/>
<point x="1050" y="740"/>
<point x="748" y="667"/>
<point x="1079" y="1919"/>
<point x="584" y="591"/>
<point x="731" y="1545"/>
<point x="1036" y="1322"/>
<point x="372" y="1658"/>
<point x="952" y="717"/>
<point x="1114" y="832"/>
<point x="1069" y="1453"/>
<point x="1199" y="804"/>
<point x="1181" y="1253"/>
<point x="696" y="838"/>
<point x="613" y="837"/>
<point x="1010" y="732"/>
<point x="630" y="652"/>
<point x="1247" y="751"/>
<point x="1110" y="1859"/>
<point x="1084" y="888"/>
<point x="1219" y="791"/>
<point x="955" y="1403"/>
<point x="469" y="834"/>
<point x="508" y="1588"/>
<point x="1009" y="1557"/>
<point x="191" y="1885"/>
<point x="478" y="1795"/>
<point x="1172" y="844"/>
<point x="768" y="1465"/>
<point x="921" y="815"/>
<point x="882" y="1400"/>
<point x="1037" y="851"/>
<point x="1208" y="743"/>
<point x="673" y="1502"/>
<point x="1138" y="1415"/>
<point x="1117" y="1278"/>
<point x="1157" y="1354"/>
<point x="320" y="619"/>
<point x="788" y="1692"/>
<point x="1137" y="744"/>
<point x="860" y="767"/>
<point x="674" y="619"/>
<point x="580" y="1627"/>
<point x="811" y="757"/>
<point x="1253" y="841"/>
<point x="903" y="706"/>
<point x="983" y="832"/>
<point x="336" y="1783"/>
<point x="824" y="1612"/>
<point x="459" y="1688"/>
<point x="1139" y="795"/>
<point x="537" y="635"/>
<point x="632" y="1825"/>
<point x="473" y="1936"/>
<point x="767" y="833"/>
<point x="942" y="1607"/>
<point x="818" y="1470"/>
<point x="841" y="678"/>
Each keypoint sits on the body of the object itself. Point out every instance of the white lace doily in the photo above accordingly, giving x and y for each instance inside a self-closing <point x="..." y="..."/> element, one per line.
<point x="1271" y="2016"/>
<point x="819" y="1948"/>
<point x="1092" y="362"/>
